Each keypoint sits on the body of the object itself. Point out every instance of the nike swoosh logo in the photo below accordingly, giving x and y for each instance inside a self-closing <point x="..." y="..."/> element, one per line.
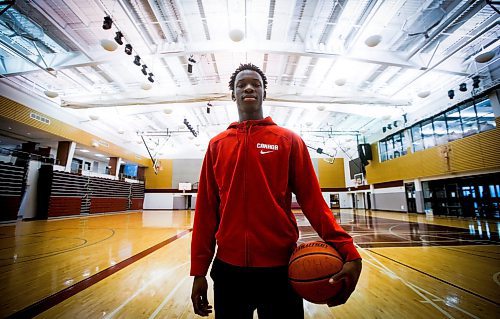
<point x="265" y="152"/>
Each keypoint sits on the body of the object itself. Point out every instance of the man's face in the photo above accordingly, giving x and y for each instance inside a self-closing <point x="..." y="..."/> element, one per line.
<point x="248" y="91"/>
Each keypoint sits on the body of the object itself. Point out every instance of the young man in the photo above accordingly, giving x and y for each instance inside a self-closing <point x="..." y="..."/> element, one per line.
<point x="244" y="207"/>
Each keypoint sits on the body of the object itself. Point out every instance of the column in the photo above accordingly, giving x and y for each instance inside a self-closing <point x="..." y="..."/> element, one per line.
<point x="65" y="153"/>
<point x="419" y="195"/>
<point x="114" y="166"/>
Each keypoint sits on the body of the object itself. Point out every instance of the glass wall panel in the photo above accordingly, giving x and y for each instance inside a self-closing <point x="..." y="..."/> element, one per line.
<point x="390" y="148"/>
<point x="398" y="145"/>
<point x="404" y="142"/>
<point x="440" y="130"/>
<point x="454" y="124"/>
<point x="485" y="116"/>
<point x="428" y="134"/>
<point x="382" y="146"/>
<point x="469" y="119"/>
<point x="416" y="136"/>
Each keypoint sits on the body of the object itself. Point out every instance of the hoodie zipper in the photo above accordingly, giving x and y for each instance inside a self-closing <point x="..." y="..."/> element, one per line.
<point x="245" y="145"/>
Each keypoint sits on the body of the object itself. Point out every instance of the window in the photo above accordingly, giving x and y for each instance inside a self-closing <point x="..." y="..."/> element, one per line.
<point x="428" y="134"/>
<point x="485" y="116"/>
<point x="416" y="136"/>
<point x="469" y="119"/>
<point x="440" y="130"/>
<point x="392" y="147"/>
<point x="454" y="123"/>
<point x="382" y="146"/>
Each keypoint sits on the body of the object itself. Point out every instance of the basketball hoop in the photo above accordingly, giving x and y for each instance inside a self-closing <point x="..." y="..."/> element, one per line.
<point x="329" y="160"/>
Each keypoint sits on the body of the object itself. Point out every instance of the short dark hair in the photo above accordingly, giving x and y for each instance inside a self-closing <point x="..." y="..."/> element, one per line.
<point x="247" y="66"/>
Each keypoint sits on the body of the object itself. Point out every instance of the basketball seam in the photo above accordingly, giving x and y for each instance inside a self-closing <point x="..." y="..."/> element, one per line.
<point x="312" y="279"/>
<point x="315" y="253"/>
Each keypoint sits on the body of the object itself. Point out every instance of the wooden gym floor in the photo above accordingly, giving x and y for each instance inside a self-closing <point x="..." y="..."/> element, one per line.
<point x="136" y="265"/>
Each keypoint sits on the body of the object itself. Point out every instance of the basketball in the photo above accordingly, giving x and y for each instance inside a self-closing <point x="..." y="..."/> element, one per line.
<point x="310" y="268"/>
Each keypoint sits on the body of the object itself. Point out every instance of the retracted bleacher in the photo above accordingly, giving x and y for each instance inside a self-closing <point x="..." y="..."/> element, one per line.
<point x="11" y="185"/>
<point x="64" y="194"/>
<point x="137" y="196"/>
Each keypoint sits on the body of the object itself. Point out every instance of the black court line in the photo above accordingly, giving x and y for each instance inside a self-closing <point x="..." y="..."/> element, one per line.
<point x="50" y="254"/>
<point x="60" y="296"/>
<point x="472" y="254"/>
<point x="437" y="278"/>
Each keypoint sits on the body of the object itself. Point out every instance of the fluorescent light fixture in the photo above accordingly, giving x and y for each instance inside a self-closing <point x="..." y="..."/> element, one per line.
<point x="99" y="155"/>
<point x="84" y="150"/>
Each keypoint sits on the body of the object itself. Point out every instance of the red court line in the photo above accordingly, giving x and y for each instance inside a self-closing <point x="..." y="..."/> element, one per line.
<point x="52" y="300"/>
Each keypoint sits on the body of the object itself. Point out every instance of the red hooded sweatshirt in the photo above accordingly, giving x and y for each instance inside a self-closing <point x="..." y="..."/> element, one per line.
<point x="244" y="199"/>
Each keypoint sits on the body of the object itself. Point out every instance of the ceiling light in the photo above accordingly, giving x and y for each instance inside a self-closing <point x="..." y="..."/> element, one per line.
<point x="146" y="86"/>
<point x="107" y="23"/>
<point x="373" y="41"/>
<point x="424" y="94"/>
<point x="118" y="37"/>
<point x="236" y="35"/>
<point x="128" y="49"/>
<point x="144" y="71"/>
<point x="167" y="111"/>
<point x="99" y="155"/>
<point x="451" y="94"/>
<point x="320" y="107"/>
<point x="137" y="60"/>
<point x="463" y="87"/>
<point x="51" y="94"/>
<point x="121" y="132"/>
<point x="95" y="144"/>
<point x="309" y="123"/>
<point x="93" y="117"/>
<point x="108" y="45"/>
<point x="340" y="81"/>
<point x="485" y="57"/>
<point x="150" y="77"/>
<point x="84" y="150"/>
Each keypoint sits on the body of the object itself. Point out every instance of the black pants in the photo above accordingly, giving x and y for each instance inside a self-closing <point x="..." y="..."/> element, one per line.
<point x="238" y="291"/>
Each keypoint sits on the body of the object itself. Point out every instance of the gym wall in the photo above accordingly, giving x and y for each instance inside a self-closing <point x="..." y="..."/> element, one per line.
<point x="473" y="153"/>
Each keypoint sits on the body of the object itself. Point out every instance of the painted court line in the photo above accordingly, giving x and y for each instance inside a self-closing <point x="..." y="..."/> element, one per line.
<point x="167" y="298"/>
<point x="53" y="300"/>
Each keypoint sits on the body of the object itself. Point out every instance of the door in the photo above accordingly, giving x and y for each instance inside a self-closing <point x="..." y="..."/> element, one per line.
<point x="410" y="197"/>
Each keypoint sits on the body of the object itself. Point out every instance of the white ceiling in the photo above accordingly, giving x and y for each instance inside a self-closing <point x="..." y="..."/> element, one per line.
<point x="304" y="47"/>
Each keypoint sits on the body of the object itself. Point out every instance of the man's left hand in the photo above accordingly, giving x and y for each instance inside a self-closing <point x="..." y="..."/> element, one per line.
<point x="349" y="274"/>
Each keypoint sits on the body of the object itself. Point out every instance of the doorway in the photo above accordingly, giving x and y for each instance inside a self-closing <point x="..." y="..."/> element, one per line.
<point x="411" y="202"/>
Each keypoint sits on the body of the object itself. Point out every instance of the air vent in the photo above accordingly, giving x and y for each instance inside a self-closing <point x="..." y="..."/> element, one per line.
<point x="102" y="143"/>
<point x="40" y="118"/>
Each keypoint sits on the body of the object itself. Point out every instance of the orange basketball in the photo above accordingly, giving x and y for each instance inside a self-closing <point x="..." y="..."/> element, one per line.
<point x="310" y="268"/>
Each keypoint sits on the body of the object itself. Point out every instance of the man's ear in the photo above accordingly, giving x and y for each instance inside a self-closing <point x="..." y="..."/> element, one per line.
<point x="264" y="97"/>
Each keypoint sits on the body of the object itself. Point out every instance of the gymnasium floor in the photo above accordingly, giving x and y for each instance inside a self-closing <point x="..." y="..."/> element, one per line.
<point x="136" y="265"/>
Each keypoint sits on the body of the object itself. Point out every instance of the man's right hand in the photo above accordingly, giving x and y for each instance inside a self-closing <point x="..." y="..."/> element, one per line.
<point x="199" y="296"/>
